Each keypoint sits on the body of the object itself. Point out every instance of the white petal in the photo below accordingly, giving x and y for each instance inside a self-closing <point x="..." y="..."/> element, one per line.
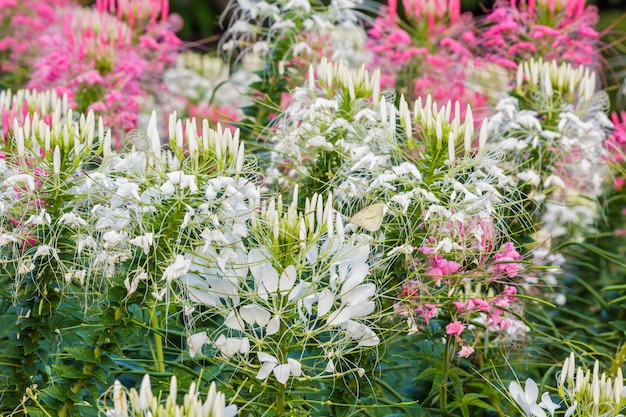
<point x="515" y="389"/>
<point x="325" y="302"/>
<point x="358" y="273"/>
<point x="571" y="409"/>
<point x="233" y="345"/>
<point x="295" y="367"/>
<point x="362" y="309"/>
<point x="281" y="372"/>
<point x="287" y="279"/>
<point x="298" y="290"/>
<point x="537" y="411"/>
<point x="265" y="370"/>
<point x="234" y="322"/>
<point x="266" y="357"/>
<point x="253" y="313"/>
<point x="532" y="391"/>
<point x="341" y="315"/>
<point x="273" y="326"/>
<point x="257" y="262"/>
<point x="359" y="294"/>
<point x="196" y="341"/>
<point x="270" y="279"/>
<point x="548" y="404"/>
<point x="245" y="346"/>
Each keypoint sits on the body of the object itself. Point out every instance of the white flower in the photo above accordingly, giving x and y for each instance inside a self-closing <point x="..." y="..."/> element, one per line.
<point x="231" y="345"/>
<point x="527" y="398"/>
<point x="127" y="190"/>
<point x="21" y="179"/>
<point x="7" y="238"/>
<point x="196" y="341"/>
<point x="113" y="238"/>
<point x="72" y="220"/>
<point x="182" y="180"/>
<point x="179" y="268"/>
<point x="548" y="404"/>
<point x="25" y="267"/>
<point x="144" y="242"/>
<point x="38" y="220"/>
<point x="281" y="371"/>
<point x="131" y="287"/>
<point x="45" y="250"/>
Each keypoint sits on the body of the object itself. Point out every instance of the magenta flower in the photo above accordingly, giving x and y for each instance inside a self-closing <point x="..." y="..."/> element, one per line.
<point x="455" y="328"/>
<point x="465" y="351"/>
<point x="442" y="268"/>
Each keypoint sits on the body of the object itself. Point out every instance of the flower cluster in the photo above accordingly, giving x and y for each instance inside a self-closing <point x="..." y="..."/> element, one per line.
<point x="105" y="58"/>
<point x="582" y="391"/>
<point x="555" y="30"/>
<point x="297" y="303"/>
<point x="202" y="87"/>
<point x="553" y="128"/>
<point x="429" y="53"/>
<point x="145" y="403"/>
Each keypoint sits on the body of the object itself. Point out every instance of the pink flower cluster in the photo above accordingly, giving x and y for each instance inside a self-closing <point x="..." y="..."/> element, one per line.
<point x="21" y="19"/>
<point x="434" y="49"/>
<point x="559" y="30"/>
<point x="430" y="56"/>
<point x="107" y="58"/>
<point x="448" y="295"/>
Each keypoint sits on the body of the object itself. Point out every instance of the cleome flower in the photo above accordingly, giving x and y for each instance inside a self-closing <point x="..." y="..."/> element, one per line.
<point x="553" y="128"/>
<point x="146" y="403"/>
<point x="299" y="299"/>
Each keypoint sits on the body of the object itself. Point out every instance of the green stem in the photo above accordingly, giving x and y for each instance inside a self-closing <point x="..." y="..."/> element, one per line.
<point x="443" y="391"/>
<point x="158" y="341"/>
<point x="282" y="358"/>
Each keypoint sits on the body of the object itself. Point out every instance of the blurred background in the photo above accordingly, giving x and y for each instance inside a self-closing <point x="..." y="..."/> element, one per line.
<point x="201" y="17"/>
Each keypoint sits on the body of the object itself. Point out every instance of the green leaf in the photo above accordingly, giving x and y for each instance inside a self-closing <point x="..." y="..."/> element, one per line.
<point x="76" y="397"/>
<point x="56" y="392"/>
<point x="100" y="375"/>
<point x="68" y="372"/>
<point x="82" y="354"/>
<point x="475" y="400"/>
<point x="619" y="325"/>
<point x="35" y="412"/>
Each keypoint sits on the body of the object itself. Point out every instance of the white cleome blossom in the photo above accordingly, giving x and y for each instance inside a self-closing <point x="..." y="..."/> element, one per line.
<point x="319" y="292"/>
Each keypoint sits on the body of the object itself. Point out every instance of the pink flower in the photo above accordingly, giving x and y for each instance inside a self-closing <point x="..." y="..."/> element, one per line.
<point x="443" y="267"/>
<point x="465" y="351"/>
<point x="455" y="328"/>
<point x="428" y="311"/>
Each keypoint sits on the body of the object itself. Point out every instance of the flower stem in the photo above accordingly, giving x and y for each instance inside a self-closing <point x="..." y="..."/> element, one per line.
<point x="443" y="391"/>
<point x="158" y="341"/>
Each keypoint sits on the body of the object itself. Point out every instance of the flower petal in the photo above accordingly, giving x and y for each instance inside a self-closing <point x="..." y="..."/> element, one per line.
<point x="234" y="322"/>
<point x="281" y="372"/>
<point x="287" y="279"/>
<point x="253" y="313"/>
<point x="265" y="370"/>
<point x="325" y="302"/>
<point x="273" y="326"/>
<point x="270" y="279"/>
<point x="341" y="315"/>
<point x="295" y="367"/>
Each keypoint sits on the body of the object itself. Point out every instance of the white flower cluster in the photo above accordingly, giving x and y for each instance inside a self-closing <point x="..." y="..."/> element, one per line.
<point x="144" y="403"/>
<point x="205" y="85"/>
<point x="327" y="130"/>
<point x="333" y="29"/>
<point x="584" y="393"/>
<point x="553" y="135"/>
<point x="298" y="300"/>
